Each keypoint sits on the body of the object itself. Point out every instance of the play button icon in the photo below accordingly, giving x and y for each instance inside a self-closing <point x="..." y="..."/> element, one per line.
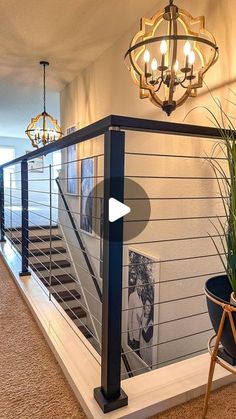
<point x="134" y="206"/>
<point x="117" y="210"/>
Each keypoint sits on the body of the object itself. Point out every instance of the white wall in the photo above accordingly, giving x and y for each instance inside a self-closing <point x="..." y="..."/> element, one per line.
<point x="106" y="88"/>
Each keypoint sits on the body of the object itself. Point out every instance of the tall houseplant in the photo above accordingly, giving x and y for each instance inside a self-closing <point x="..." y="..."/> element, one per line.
<point x="221" y="290"/>
<point x="227" y="187"/>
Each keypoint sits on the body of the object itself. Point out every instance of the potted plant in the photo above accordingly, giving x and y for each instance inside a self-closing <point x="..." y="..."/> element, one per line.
<point x="221" y="290"/>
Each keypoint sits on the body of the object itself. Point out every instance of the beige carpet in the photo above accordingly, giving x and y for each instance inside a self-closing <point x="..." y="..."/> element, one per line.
<point x="32" y="385"/>
<point x="222" y="406"/>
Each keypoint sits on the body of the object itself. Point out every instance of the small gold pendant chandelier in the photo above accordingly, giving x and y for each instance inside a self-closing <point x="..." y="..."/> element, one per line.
<point x="43" y="129"/>
<point x="169" y="57"/>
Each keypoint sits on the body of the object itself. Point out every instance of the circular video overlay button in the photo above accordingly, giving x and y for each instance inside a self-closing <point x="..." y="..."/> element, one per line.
<point x="135" y="208"/>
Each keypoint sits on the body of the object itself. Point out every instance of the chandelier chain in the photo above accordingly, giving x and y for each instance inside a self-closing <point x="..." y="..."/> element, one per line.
<point x="44" y="87"/>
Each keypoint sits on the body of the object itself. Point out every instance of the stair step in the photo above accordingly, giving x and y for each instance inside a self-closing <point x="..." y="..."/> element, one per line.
<point x="76" y="313"/>
<point x="87" y="334"/>
<point x="46" y="265"/>
<point x="60" y="279"/>
<point x="46" y="251"/>
<point x="66" y="296"/>
<point x="39" y="239"/>
<point x="31" y="228"/>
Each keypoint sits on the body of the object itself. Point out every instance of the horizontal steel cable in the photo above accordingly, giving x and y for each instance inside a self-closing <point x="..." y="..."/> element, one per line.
<point x="168" y="341"/>
<point x="175" y="279"/>
<point x="60" y="209"/>
<point x="62" y="163"/>
<point x="126" y="331"/>
<point x="168" y="301"/>
<point x="175" y="156"/>
<point x="167" y="361"/>
<point x="174" y="260"/>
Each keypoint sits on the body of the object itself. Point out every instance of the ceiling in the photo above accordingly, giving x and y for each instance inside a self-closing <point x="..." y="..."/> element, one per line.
<point x="70" y="34"/>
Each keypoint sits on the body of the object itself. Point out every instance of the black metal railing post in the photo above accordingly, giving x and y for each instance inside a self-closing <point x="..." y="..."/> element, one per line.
<point x="110" y="396"/>
<point x="24" y="219"/>
<point x="2" y="215"/>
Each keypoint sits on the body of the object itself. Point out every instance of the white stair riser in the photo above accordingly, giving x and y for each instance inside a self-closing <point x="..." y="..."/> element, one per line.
<point x="36" y="233"/>
<point x="55" y="272"/>
<point x="42" y="245"/>
<point x="80" y="322"/>
<point x="46" y="258"/>
<point x="63" y="287"/>
<point x="72" y="304"/>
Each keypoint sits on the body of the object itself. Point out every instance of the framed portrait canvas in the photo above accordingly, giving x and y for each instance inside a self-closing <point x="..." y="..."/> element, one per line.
<point x="72" y="178"/>
<point x="86" y="188"/>
<point x="143" y="280"/>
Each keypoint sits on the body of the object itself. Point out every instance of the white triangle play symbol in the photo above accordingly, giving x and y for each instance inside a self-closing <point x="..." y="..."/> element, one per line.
<point x="117" y="210"/>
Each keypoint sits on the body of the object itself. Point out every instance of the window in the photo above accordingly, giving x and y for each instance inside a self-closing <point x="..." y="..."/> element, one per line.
<point x="7" y="154"/>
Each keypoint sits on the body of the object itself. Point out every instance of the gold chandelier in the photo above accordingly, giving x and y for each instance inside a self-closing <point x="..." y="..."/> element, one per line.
<point x="169" y="57"/>
<point x="43" y="129"/>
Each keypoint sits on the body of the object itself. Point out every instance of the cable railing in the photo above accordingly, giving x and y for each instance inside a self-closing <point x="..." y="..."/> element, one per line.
<point x="161" y="287"/>
<point x="139" y="288"/>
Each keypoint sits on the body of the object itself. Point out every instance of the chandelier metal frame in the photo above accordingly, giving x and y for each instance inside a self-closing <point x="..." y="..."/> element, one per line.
<point x="167" y="74"/>
<point x="43" y="135"/>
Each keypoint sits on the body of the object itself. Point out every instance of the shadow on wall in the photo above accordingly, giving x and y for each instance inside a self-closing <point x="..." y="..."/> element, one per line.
<point x="217" y="87"/>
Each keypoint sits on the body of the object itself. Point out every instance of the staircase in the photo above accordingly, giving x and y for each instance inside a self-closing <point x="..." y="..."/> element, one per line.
<point x="63" y="283"/>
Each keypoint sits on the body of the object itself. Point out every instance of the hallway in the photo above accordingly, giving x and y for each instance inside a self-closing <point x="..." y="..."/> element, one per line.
<point x="32" y="384"/>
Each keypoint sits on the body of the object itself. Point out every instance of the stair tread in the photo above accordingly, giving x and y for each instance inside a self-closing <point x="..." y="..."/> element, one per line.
<point x="31" y="228"/>
<point x="46" y="265"/>
<point x="41" y="252"/>
<point x="39" y="239"/>
<point x="87" y="334"/>
<point x="77" y="312"/>
<point x="45" y="237"/>
<point x="58" y="279"/>
<point x="66" y="295"/>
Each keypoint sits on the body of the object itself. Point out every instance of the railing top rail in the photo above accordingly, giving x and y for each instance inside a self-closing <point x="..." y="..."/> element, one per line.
<point x="122" y="122"/>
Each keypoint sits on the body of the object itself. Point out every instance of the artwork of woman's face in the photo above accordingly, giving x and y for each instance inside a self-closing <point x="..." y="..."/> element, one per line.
<point x="139" y="287"/>
<point x="147" y="308"/>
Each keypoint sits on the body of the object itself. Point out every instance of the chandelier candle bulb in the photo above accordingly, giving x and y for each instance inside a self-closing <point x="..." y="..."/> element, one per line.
<point x="154" y="67"/>
<point x="173" y="32"/>
<point x="146" y="58"/>
<point x="191" y="57"/>
<point x="191" y="62"/>
<point x="176" y="66"/>
<point x="163" y="47"/>
<point x="187" y="48"/>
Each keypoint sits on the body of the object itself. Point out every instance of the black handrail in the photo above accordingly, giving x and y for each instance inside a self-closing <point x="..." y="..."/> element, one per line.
<point x="89" y="266"/>
<point x="122" y="122"/>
